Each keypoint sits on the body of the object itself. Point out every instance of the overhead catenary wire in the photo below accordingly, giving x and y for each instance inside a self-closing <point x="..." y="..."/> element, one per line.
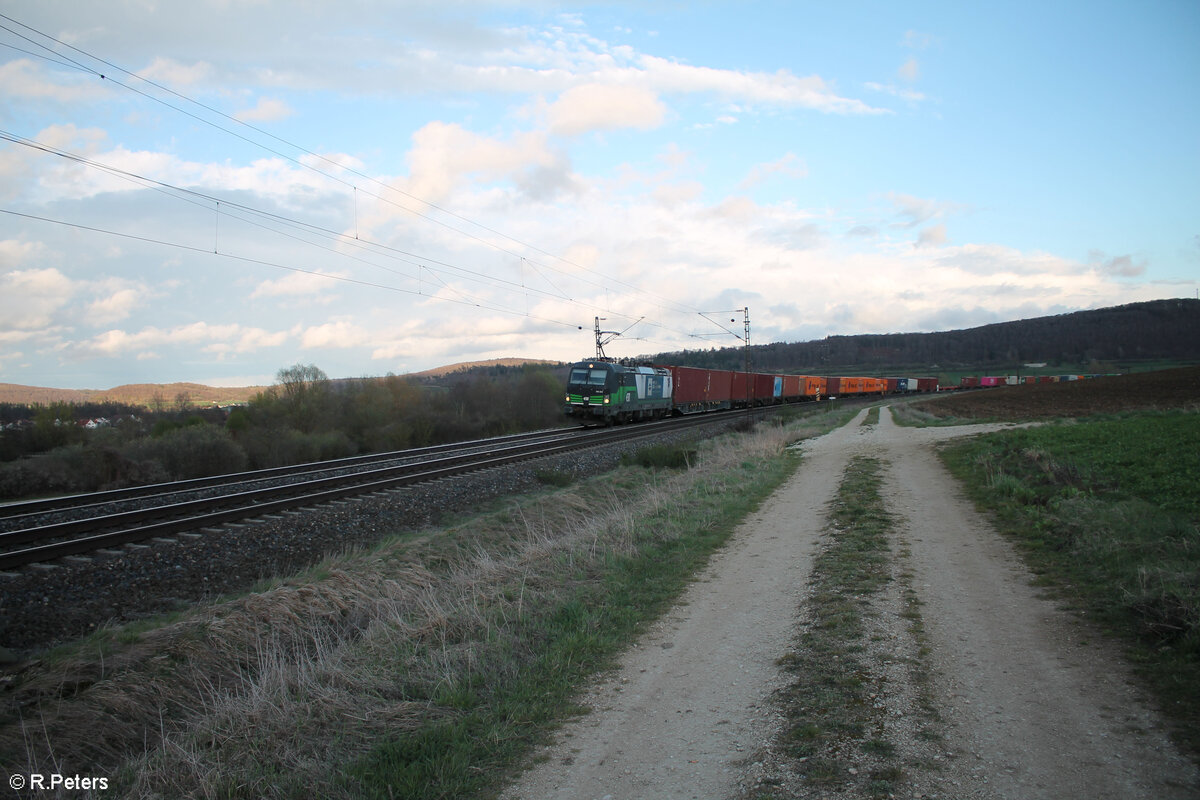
<point x="256" y="217"/>
<point x="91" y="70"/>
<point x="65" y="60"/>
<point x="259" y="261"/>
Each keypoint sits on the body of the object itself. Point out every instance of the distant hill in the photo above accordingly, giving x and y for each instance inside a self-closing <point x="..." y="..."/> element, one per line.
<point x="135" y="394"/>
<point x="478" y="366"/>
<point x="1160" y="330"/>
<point x="149" y="395"/>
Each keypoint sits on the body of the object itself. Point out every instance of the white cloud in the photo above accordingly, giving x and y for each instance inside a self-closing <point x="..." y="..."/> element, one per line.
<point x="15" y="253"/>
<point x="177" y="75"/>
<point x="298" y="284"/>
<point x="911" y="95"/>
<point x="274" y="179"/>
<point x="673" y="194"/>
<point x="780" y="88"/>
<point x="992" y="260"/>
<point x="339" y="334"/>
<point x="266" y="110"/>
<point x="1116" y="266"/>
<point x="24" y="79"/>
<point x="248" y="340"/>
<point x="327" y="162"/>
<point x="491" y="124"/>
<point x="30" y="298"/>
<point x="597" y="107"/>
<point x="916" y="40"/>
<point x="788" y="166"/>
<point x="444" y="154"/>
<point x="918" y="210"/>
<point x="933" y="236"/>
<point x="115" y="307"/>
<point x="149" y="341"/>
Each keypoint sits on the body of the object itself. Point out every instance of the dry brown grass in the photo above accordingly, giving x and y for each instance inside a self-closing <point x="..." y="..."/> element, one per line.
<point x="269" y="692"/>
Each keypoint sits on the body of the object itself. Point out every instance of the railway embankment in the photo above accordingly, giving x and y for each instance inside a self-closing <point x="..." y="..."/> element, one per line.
<point x="461" y="643"/>
<point x="435" y="664"/>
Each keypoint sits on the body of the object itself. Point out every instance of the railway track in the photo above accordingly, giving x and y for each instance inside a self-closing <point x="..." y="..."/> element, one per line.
<point x="48" y="530"/>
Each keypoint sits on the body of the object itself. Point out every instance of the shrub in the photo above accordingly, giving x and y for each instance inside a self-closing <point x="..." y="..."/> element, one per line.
<point x="190" y="452"/>
<point x="662" y="456"/>
<point x="554" y="477"/>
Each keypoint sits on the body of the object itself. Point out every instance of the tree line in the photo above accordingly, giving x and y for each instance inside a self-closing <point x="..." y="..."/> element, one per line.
<point x="305" y="416"/>
<point x="1155" y="330"/>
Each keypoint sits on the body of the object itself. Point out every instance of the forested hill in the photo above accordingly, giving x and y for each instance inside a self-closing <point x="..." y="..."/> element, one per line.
<point x="1156" y="330"/>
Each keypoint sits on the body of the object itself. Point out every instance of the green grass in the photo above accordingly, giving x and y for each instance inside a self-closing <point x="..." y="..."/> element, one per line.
<point x="509" y="711"/>
<point x="1107" y="511"/>
<point x="554" y="477"/>
<point x="657" y="456"/>
<point x="831" y="723"/>
<point x="426" y="667"/>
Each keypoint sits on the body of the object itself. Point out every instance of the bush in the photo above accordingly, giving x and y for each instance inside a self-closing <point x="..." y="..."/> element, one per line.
<point x="554" y="477"/>
<point x="662" y="456"/>
<point x="274" y="447"/>
<point x="193" y="451"/>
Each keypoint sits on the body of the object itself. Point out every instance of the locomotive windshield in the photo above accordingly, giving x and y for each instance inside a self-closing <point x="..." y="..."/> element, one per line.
<point x="583" y="376"/>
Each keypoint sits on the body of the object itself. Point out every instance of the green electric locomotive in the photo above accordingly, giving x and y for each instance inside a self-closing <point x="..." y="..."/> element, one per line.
<point x="604" y="392"/>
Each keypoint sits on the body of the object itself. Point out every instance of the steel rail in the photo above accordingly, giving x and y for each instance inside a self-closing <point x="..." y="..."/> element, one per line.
<point x="258" y="502"/>
<point x="9" y="511"/>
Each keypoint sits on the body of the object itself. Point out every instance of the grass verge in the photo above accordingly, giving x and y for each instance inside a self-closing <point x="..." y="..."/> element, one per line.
<point x="914" y="413"/>
<point x="835" y="733"/>
<point x="1107" y="514"/>
<point x="426" y="667"/>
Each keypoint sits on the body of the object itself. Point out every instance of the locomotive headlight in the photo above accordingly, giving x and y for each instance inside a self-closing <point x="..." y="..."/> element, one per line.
<point x="607" y="399"/>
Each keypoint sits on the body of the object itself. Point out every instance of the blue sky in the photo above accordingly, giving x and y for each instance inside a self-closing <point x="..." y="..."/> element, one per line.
<point x="381" y="187"/>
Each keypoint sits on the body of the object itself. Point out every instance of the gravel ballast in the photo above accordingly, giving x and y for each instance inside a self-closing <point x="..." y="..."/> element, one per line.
<point x="44" y="605"/>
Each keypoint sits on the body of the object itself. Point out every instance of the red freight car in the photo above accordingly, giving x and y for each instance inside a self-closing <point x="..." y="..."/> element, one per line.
<point x="793" y="388"/>
<point x="926" y="385"/>
<point x="768" y="389"/>
<point x="741" y="388"/>
<point x="699" y="390"/>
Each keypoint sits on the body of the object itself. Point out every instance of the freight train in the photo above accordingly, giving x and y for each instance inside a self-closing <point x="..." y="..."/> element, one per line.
<point x="980" y="382"/>
<point x="607" y="392"/>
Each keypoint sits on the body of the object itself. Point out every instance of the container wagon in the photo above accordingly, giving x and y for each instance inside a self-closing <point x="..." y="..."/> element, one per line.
<point x="698" y="390"/>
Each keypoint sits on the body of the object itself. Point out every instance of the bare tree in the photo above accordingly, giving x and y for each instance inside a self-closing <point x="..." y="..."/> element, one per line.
<point x="305" y="392"/>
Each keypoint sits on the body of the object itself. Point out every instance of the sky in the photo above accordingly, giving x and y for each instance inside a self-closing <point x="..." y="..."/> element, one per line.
<point x="215" y="190"/>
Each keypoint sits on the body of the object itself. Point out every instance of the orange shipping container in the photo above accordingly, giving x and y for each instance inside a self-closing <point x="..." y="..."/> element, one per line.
<point x="813" y="386"/>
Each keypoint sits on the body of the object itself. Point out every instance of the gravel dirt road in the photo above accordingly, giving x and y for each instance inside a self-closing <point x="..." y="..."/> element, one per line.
<point x="1033" y="704"/>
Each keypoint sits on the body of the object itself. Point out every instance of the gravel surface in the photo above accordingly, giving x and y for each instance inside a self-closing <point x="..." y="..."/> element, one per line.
<point x="1032" y="703"/>
<point x="48" y="604"/>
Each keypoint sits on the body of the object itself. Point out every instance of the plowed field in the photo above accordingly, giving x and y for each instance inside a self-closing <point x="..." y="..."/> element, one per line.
<point x="1174" y="388"/>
